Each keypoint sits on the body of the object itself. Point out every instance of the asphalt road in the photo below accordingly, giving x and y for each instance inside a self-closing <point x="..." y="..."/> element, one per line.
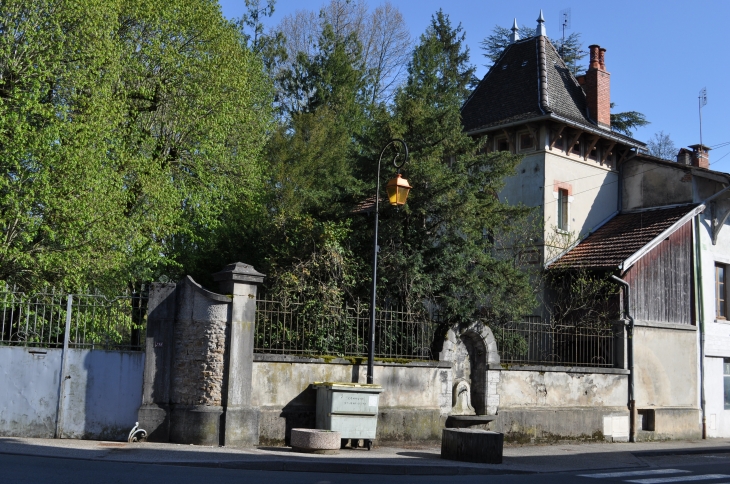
<point x="710" y="469"/>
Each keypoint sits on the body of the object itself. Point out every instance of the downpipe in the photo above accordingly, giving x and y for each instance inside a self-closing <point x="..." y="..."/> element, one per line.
<point x="630" y="355"/>
<point x="701" y="320"/>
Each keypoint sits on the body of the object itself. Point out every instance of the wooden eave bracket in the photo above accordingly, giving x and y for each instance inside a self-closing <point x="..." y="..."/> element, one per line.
<point x="558" y="135"/>
<point x="606" y="151"/>
<point x="720" y="212"/>
<point x="590" y="147"/>
<point x="574" y="140"/>
<point x="624" y="156"/>
<point x="510" y="140"/>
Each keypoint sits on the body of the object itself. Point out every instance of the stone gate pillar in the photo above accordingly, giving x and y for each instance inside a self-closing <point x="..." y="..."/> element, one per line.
<point x="241" y="420"/>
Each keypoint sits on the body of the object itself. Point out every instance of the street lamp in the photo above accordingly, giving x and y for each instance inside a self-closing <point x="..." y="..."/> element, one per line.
<point x="397" y="190"/>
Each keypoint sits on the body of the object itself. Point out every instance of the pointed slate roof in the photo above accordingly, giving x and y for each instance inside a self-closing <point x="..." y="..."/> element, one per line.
<point x="528" y="81"/>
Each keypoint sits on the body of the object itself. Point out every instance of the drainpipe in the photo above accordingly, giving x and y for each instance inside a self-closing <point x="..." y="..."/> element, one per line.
<point x="701" y="317"/>
<point x="630" y="351"/>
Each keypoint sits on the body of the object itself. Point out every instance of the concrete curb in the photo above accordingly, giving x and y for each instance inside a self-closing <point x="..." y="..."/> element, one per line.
<point x="320" y="466"/>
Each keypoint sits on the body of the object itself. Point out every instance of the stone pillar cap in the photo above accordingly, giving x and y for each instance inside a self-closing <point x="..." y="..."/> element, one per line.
<point x="239" y="272"/>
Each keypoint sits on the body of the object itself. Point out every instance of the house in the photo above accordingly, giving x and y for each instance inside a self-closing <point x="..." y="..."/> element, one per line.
<point x="609" y="208"/>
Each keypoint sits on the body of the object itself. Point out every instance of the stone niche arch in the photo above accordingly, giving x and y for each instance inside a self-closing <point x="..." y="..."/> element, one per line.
<point x="472" y="351"/>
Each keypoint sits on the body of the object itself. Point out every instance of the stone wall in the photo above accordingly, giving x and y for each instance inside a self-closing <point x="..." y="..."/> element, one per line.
<point x="414" y="404"/>
<point x="200" y="335"/>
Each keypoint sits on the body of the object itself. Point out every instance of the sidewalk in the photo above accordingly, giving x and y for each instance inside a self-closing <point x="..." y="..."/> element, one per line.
<point x="414" y="460"/>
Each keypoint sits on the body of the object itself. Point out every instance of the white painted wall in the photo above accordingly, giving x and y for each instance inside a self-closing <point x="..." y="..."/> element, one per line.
<point x="103" y="392"/>
<point x="717" y="332"/>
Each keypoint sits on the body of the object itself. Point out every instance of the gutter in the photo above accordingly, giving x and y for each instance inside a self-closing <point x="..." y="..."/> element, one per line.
<point x="573" y="124"/>
<point x="630" y="351"/>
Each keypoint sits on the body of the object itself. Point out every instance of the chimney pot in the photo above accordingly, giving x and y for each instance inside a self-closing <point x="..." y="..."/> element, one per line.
<point x="594" y="62"/>
<point x="602" y="58"/>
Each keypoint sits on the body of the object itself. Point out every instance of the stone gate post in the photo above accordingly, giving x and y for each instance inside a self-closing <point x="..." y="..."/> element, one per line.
<point x="241" y="420"/>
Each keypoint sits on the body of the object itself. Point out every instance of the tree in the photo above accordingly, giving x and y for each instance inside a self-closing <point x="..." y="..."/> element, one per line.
<point x="626" y="122"/>
<point x="434" y="248"/>
<point x="127" y="132"/>
<point x="662" y="146"/>
<point x="382" y="35"/>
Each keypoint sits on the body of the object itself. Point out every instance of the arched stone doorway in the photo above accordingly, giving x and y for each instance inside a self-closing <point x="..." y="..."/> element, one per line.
<point x="472" y="351"/>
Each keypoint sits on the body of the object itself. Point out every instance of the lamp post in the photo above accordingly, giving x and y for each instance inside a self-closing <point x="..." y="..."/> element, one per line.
<point x="397" y="189"/>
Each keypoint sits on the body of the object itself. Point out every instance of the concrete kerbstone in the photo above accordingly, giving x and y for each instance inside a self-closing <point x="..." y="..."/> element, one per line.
<point x="315" y="441"/>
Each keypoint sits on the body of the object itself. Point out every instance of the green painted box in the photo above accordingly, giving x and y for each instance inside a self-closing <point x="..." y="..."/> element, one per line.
<point x="348" y="408"/>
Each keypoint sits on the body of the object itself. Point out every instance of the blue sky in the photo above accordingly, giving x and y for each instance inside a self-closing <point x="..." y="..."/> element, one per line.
<point x="659" y="54"/>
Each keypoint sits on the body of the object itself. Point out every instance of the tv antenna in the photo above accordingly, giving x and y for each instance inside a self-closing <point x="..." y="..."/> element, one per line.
<point x="564" y="24"/>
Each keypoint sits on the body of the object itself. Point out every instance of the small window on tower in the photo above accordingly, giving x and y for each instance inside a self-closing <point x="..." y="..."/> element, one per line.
<point x="527" y="142"/>
<point x="563" y="209"/>
<point x="502" y="144"/>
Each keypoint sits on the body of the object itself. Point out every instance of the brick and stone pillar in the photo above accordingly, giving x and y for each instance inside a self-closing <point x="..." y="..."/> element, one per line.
<point x="241" y="421"/>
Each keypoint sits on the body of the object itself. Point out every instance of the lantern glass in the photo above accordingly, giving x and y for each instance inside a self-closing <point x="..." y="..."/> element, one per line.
<point x="397" y="190"/>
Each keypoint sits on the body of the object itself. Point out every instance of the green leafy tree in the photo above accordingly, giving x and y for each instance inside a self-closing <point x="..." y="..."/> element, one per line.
<point x="435" y="248"/>
<point x="129" y="131"/>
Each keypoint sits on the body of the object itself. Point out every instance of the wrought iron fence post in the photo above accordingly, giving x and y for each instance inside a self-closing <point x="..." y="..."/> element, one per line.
<point x="62" y="380"/>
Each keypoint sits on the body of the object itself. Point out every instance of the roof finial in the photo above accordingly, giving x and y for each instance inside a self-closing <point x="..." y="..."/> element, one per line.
<point x="515" y="34"/>
<point x="541" y="26"/>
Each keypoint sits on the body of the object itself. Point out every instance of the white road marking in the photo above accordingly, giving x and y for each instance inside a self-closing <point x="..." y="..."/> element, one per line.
<point x="659" y="480"/>
<point x="606" y="475"/>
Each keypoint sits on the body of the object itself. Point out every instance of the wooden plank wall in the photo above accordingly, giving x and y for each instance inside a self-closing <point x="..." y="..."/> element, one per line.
<point x="661" y="281"/>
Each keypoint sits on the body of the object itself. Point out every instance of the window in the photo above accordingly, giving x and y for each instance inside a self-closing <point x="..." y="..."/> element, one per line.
<point x="502" y="144"/>
<point x="562" y="209"/>
<point x="721" y="291"/>
<point x="726" y="378"/>
<point x="527" y="142"/>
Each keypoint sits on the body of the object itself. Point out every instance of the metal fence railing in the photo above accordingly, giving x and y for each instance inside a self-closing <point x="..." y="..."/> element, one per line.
<point x="537" y="342"/>
<point x="93" y="321"/>
<point x="298" y="328"/>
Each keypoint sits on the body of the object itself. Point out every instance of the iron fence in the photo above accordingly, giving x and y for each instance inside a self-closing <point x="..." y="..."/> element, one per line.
<point x="297" y="328"/>
<point x="93" y="321"/>
<point x="537" y="342"/>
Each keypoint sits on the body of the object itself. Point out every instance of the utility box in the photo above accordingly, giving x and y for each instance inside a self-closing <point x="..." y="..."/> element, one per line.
<point x="348" y="408"/>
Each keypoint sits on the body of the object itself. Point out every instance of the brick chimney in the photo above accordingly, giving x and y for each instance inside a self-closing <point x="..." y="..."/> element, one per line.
<point x="700" y="156"/>
<point x="597" y="86"/>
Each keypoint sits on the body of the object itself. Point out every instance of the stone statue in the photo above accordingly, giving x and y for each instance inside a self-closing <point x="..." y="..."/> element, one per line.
<point x="462" y="399"/>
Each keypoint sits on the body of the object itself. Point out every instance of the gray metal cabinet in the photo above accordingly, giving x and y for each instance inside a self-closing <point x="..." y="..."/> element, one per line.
<point x="348" y="408"/>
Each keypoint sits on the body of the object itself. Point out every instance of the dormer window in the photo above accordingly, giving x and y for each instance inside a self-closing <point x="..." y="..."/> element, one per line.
<point x="504" y="66"/>
<point x="524" y="63"/>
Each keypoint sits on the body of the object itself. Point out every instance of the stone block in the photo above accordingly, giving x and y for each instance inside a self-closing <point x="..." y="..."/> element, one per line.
<point x="195" y="424"/>
<point x="241" y="426"/>
<point x="471" y="445"/>
<point x="155" y="419"/>
<point x="315" y="441"/>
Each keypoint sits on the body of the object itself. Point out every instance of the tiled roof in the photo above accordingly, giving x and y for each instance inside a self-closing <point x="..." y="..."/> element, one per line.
<point x="512" y="91"/>
<point x="620" y="238"/>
